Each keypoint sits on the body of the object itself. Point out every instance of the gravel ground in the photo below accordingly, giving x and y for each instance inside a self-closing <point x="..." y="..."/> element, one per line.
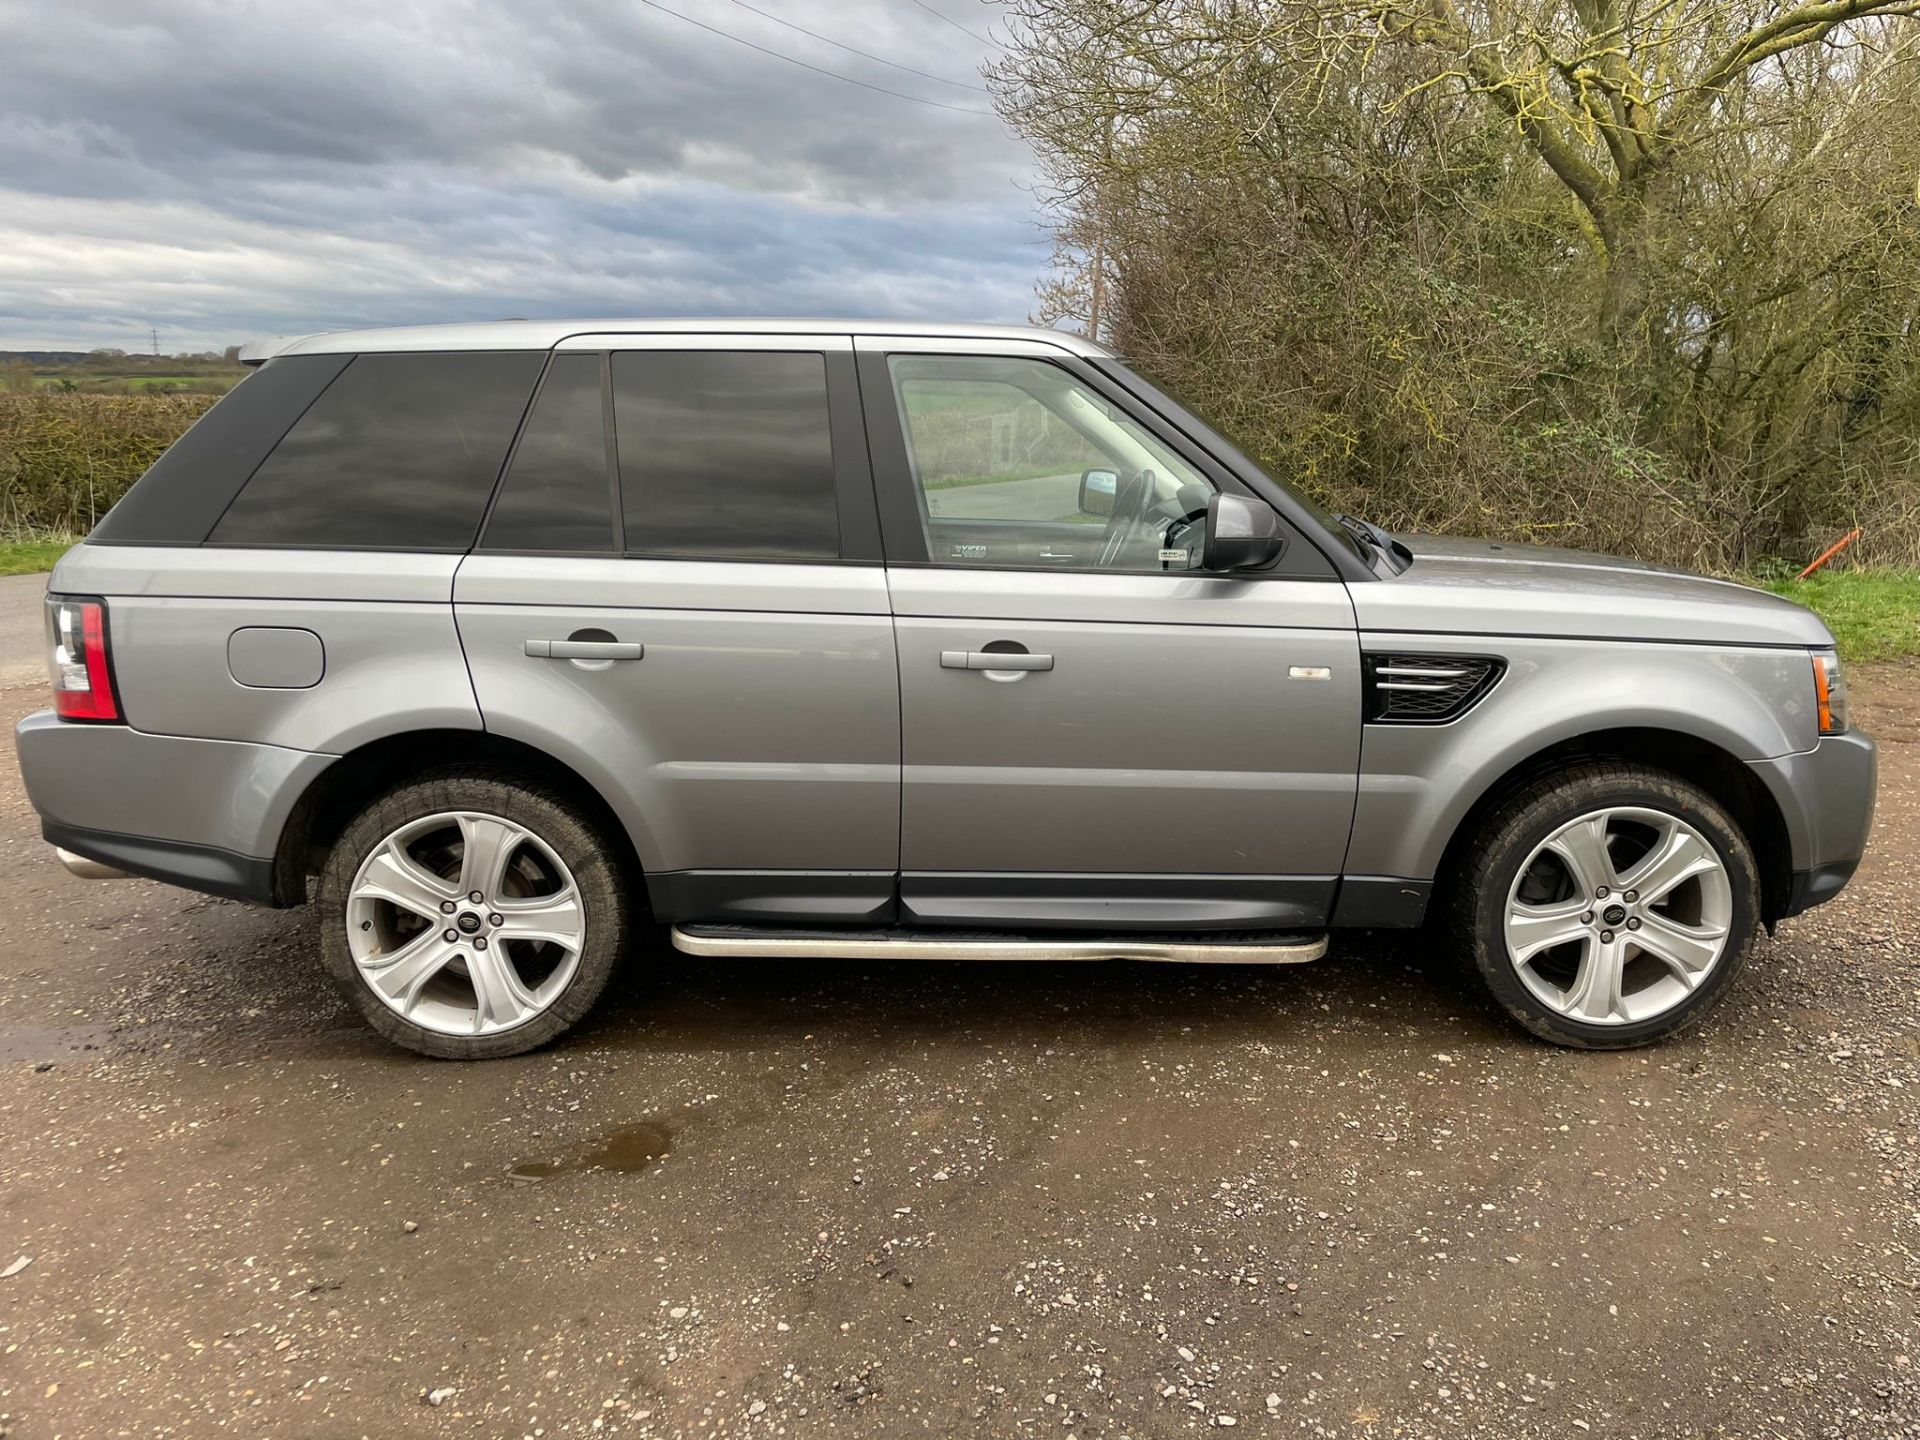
<point x="756" y="1199"/>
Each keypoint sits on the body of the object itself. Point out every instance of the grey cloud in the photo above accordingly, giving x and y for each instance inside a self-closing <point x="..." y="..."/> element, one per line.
<point x="218" y="166"/>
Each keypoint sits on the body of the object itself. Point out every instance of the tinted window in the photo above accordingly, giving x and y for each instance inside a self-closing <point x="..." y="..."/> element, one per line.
<point x="401" y="452"/>
<point x="725" y="453"/>
<point x="195" y="479"/>
<point x="556" y="495"/>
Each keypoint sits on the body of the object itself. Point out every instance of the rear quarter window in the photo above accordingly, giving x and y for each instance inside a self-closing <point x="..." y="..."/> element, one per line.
<point x="400" y="452"/>
<point x="195" y="479"/>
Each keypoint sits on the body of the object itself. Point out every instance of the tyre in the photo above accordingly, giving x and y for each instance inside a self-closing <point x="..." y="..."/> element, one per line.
<point x="1607" y="905"/>
<point x="471" y="914"/>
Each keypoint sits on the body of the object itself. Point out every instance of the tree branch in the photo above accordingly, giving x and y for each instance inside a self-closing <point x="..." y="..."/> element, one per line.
<point x="1805" y="25"/>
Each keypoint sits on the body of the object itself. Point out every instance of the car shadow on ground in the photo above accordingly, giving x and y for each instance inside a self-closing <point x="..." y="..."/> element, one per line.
<point x="1382" y="986"/>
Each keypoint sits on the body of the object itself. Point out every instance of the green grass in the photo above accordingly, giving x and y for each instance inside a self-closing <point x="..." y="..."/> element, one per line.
<point x="30" y="557"/>
<point x="1874" y="614"/>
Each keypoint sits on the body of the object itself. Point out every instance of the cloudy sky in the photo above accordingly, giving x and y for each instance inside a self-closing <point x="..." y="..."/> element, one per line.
<point x="229" y="169"/>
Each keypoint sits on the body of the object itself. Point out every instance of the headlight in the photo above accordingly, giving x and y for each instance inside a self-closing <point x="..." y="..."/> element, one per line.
<point x="1830" y="692"/>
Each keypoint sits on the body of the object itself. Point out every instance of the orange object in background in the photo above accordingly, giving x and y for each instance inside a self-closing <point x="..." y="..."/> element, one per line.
<point x="1832" y="550"/>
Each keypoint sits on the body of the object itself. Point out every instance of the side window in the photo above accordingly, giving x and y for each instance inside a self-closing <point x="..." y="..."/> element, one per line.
<point x="400" y="453"/>
<point x="556" y="495"/>
<point x="1015" y="462"/>
<point x="186" y="491"/>
<point x="725" y="454"/>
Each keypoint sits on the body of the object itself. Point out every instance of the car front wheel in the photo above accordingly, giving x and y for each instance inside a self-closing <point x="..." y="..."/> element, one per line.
<point x="1607" y="905"/>
<point x="471" y="914"/>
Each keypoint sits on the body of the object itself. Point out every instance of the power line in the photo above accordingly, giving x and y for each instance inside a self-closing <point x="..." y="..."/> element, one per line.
<point x="983" y="39"/>
<point x="804" y="65"/>
<point x="863" y="54"/>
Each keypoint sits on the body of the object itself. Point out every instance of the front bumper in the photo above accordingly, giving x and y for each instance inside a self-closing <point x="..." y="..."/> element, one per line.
<point x="203" y="814"/>
<point x="1826" y="796"/>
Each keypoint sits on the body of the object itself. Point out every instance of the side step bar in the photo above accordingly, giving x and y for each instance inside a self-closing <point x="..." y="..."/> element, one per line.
<point x="744" y="941"/>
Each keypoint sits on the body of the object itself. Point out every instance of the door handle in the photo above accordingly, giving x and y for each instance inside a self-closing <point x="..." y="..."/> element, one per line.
<point x="993" y="660"/>
<point x="586" y="650"/>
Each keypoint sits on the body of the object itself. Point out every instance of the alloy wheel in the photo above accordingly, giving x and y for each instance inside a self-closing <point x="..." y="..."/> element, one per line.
<point x="1617" y="917"/>
<point x="465" y="923"/>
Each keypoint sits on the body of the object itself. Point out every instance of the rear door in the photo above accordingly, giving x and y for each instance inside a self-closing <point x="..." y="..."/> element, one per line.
<point x="1097" y="733"/>
<point x="678" y="593"/>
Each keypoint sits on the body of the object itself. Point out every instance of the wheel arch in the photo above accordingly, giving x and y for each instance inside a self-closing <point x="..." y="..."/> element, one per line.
<point x="1701" y="762"/>
<point x="345" y="787"/>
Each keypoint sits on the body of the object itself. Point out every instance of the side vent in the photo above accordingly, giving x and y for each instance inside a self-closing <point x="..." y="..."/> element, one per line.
<point x="1426" y="689"/>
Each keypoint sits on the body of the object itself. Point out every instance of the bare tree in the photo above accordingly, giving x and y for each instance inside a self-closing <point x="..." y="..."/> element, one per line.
<point x="1638" y="272"/>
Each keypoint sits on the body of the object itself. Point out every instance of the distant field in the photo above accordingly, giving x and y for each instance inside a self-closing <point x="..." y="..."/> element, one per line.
<point x="97" y="384"/>
<point x="115" y="372"/>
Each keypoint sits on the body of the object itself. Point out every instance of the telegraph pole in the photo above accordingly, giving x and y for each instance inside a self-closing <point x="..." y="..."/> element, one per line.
<point x="1099" y="238"/>
<point x="1099" y="272"/>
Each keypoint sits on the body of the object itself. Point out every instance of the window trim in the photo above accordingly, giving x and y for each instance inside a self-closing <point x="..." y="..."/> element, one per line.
<point x="893" y="475"/>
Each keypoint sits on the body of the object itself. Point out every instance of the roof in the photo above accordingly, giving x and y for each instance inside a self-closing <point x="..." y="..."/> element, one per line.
<point x="545" y="334"/>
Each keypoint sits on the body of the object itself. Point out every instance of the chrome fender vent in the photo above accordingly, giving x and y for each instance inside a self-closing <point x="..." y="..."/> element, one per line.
<point x="1425" y="689"/>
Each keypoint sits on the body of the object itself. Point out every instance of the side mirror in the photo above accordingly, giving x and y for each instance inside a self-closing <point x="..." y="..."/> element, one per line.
<point x="1097" y="491"/>
<point x="1242" y="534"/>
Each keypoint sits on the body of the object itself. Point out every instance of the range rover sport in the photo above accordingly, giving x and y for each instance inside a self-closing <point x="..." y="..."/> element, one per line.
<point x="504" y="642"/>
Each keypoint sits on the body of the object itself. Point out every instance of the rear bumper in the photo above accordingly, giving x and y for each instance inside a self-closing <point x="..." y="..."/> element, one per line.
<point x="81" y="868"/>
<point x="1826" y="796"/>
<point x="192" y="867"/>
<point x="203" y="814"/>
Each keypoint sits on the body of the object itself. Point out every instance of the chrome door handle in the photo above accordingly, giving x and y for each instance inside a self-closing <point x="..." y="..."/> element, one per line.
<point x="993" y="660"/>
<point x="586" y="650"/>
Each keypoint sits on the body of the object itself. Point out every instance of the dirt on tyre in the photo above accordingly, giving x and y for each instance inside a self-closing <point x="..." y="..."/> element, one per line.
<point x="472" y="914"/>
<point x="1607" y="905"/>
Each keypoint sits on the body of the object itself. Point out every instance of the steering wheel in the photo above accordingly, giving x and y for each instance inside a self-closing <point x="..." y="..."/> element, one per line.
<point x="1129" y="513"/>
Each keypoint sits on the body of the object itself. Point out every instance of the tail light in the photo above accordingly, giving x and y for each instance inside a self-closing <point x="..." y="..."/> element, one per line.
<point x="79" y="660"/>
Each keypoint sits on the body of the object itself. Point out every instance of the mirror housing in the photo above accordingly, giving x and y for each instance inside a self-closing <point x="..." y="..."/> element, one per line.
<point x="1098" y="490"/>
<point x="1242" y="534"/>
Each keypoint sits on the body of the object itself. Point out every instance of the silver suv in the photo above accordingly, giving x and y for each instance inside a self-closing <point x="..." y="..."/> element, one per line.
<point x="832" y="639"/>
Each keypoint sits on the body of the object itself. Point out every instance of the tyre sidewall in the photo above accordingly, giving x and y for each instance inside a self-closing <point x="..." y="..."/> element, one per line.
<point x="1530" y="822"/>
<point x="558" y="824"/>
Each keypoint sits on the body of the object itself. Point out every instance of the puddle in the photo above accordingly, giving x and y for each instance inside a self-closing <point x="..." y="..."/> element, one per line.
<point x="626" y="1151"/>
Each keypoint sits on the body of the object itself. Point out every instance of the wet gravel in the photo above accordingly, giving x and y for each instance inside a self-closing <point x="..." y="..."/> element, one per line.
<point x="1118" y="1200"/>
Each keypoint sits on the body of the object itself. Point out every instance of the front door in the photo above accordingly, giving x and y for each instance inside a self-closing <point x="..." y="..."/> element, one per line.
<point x="1096" y="733"/>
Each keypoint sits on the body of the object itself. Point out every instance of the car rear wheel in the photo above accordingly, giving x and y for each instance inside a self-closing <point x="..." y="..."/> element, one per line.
<point x="471" y="914"/>
<point x="1607" y="905"/>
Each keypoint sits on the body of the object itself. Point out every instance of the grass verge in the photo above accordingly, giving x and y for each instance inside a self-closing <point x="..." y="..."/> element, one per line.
<point x="1874" y="614"/>
<point x="31" y="556"/>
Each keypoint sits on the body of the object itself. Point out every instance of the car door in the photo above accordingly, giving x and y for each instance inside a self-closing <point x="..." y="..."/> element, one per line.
<point x="1096" y="733"/>
<point x="678" y="593"/>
